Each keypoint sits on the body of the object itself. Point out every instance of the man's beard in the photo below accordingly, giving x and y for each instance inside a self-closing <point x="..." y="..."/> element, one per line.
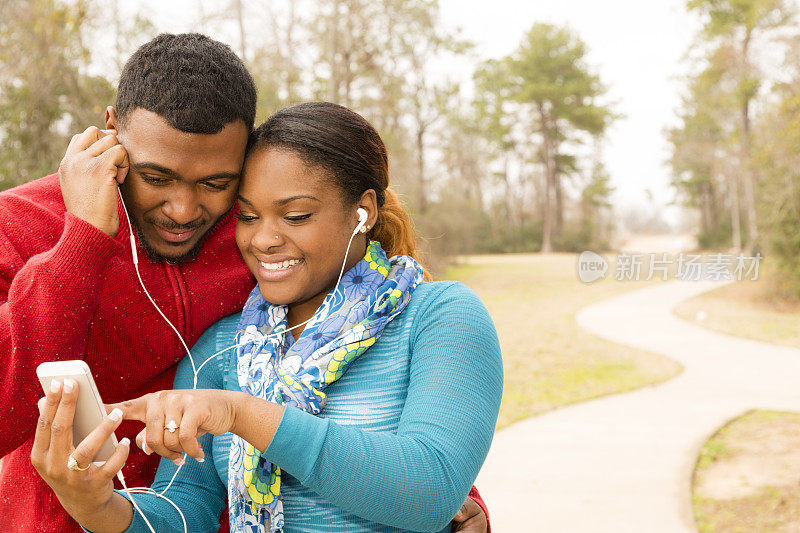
<point x="155" y="257"/>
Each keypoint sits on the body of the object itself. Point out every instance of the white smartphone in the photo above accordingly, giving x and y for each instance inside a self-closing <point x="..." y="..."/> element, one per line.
<point x="89" y="411"/>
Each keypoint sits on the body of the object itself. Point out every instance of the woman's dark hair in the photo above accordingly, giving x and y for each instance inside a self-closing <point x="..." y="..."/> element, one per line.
<point x="196" y="83"/>
<point x="342" y="143"/>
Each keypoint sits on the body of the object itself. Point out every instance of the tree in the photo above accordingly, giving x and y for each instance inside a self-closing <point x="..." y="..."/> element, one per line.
<point x="777" y="136"/>
<point x="739" y="23"/>
<point x="595" y="232"/>
<point x="704" y="151"/>
<point x="45" y="91"/>
<point x="550" y="77"/>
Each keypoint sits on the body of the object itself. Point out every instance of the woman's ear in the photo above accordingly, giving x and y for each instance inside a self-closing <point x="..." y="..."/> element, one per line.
<point x="111" y="118"/>
<point x="369" y="202"/>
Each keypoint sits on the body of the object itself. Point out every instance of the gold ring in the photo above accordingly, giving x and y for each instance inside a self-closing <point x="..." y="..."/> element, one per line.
<point x="72" y="464"/>
<point x="171" y="426"/>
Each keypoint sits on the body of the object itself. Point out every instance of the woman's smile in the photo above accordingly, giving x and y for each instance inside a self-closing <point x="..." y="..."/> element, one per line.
<point x="276" y="269"/>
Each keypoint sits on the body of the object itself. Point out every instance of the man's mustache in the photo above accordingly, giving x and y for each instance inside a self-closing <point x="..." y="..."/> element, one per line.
<point x="171" y="225"/>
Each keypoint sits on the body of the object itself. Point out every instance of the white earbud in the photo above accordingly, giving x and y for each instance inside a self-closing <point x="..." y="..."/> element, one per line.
<point x="362" y="219"/>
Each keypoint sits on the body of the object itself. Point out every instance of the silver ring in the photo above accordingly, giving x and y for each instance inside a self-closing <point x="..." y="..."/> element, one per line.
<point x="171" y="426"/>
<point x="72" y="464"/>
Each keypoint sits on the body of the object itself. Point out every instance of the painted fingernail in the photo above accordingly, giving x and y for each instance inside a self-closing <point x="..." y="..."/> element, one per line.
<point x="178" y="462"/>
<point x="55" y="386"/>
<point x="68" y="384"/>
<point x="125" y="442"/>
<point x="201" y="460"/>
<point x="116" y="414"/>
<point x="146" y="449"/>
<point x="40" y="404"/>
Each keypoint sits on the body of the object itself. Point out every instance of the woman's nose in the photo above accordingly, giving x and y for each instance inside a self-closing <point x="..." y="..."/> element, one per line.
<point x="266" y="236"/>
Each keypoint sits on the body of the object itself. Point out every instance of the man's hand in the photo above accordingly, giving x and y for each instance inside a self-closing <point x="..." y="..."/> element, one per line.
<point x="470" y="518"/>
<point x="95" y="163"/>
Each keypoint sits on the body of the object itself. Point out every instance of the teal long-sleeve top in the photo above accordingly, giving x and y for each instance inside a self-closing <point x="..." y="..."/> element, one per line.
<point x="398" y="445"/>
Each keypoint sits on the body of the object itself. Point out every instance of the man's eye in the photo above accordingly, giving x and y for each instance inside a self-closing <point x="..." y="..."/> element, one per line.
<point x="216" y="186"/>
<point x="297" y="218"/>
<point x="154" y="181"/>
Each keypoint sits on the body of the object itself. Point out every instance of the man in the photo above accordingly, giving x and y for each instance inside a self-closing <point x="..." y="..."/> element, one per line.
<point x="175" y="146"/>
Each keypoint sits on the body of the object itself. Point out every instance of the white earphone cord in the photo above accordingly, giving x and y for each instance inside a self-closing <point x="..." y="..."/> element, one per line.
<point x="362" y="219"/>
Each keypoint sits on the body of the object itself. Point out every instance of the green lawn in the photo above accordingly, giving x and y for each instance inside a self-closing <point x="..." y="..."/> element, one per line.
<point x="549" y="361"/>
<point x="746" y="309"/>
<point x="746" y="476"/>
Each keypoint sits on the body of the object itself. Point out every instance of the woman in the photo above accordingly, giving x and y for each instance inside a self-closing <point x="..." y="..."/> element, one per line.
<point x="408" y="371"/>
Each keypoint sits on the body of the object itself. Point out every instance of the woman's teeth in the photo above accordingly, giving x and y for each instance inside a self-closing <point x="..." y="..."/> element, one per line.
<point x="280" y="266"/>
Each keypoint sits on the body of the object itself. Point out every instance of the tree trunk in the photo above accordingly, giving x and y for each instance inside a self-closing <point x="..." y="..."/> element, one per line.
<point x="507" y="190"/>
<point x="237" y="5"/>
<point x="558" y="189"/>
<point x="705" y="210"/>
<point x="333" y="53"/>
<point x="423" y="188"/>
<point x="713" y="209"/>
<point x="736" y="224"/>
<point x="749" y="177"/>
<point x="549" y="165"/>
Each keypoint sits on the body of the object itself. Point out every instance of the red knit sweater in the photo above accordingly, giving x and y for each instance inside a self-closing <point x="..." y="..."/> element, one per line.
<point x="69" y="291"/>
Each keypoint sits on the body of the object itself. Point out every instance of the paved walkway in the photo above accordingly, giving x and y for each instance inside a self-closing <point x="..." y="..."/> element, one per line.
<point x="623" y="463"/>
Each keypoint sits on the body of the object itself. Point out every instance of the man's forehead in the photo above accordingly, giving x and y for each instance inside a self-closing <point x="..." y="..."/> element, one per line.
<point x="151" y="140"/>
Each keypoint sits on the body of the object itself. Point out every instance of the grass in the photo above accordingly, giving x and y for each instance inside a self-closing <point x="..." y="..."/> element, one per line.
<point x="753" y="457"/>
<point x="746" y="309"/>
<point x="549" y="361"/>
<point x="746" y="477"/>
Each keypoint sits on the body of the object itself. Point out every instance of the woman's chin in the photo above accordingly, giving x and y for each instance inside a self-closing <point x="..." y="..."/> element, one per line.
<point x="275" y="295"/>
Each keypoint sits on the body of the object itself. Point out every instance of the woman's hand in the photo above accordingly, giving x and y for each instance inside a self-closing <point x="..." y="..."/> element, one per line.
<point x="175" y="419"/>
<point x="84" y="493"/>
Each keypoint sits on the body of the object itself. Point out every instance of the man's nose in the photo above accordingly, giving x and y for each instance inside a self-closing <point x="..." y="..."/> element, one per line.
<point x="183" y="206"/>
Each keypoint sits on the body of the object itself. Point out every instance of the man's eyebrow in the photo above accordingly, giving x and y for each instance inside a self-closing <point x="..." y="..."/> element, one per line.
<point x="223" y="176"/>
<point x="172" y="174"/>
<point x="155" y="166"/>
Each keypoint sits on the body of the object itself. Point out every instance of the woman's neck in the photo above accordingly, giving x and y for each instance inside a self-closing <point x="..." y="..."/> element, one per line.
<point x="302" y="312"/>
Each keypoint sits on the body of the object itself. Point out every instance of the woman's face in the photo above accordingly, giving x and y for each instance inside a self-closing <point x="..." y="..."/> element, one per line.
<point x="293" y="229"/>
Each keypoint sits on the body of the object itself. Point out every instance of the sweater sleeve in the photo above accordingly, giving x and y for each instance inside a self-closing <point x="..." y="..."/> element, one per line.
<point x="46" y="305"/>
<point x="197" y="489"/>
<point x="417" y="478"/>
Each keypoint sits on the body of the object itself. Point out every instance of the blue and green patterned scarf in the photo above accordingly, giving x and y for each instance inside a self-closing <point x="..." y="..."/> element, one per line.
<point x="349" y="321"/>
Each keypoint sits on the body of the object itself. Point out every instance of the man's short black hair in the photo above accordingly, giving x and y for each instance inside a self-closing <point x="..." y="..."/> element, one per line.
<point x="196" y="83"/>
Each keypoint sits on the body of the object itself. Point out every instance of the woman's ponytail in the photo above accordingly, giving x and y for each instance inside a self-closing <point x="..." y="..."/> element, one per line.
<point x="395" y="231"/>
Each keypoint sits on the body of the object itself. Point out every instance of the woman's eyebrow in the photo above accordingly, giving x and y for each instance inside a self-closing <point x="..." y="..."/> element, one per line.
<point x="284" y="201"/>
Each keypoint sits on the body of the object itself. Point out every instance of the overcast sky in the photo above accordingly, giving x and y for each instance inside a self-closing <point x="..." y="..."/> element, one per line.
<point x="636" y="46"/>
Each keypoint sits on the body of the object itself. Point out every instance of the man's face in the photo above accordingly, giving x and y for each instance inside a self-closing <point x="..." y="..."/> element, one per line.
<point x="179" y="184"/>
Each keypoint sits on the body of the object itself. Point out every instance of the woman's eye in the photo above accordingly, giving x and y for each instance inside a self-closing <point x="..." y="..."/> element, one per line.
<point x="297" y="218"/>
<point x="245" y="218"/>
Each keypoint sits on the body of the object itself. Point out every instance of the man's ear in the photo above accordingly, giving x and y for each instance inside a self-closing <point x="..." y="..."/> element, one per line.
<point x="111" y="118"/>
